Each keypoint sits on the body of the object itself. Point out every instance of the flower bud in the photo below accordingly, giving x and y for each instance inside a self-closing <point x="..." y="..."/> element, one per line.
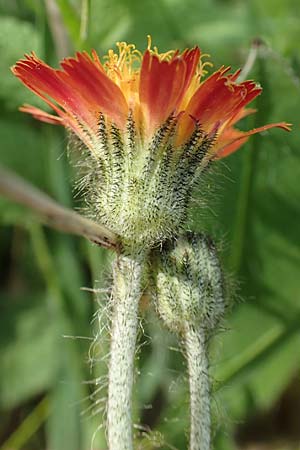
<point x="189" y="283"/>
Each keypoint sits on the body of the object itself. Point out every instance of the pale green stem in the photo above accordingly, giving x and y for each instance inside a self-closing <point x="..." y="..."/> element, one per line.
<point x="197" y="359"/>
<point x="126" y="294"/>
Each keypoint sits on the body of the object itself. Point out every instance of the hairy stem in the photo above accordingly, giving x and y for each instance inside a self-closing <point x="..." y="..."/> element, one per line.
<point x="126" y="294"/>
<point x="197" y="359"/>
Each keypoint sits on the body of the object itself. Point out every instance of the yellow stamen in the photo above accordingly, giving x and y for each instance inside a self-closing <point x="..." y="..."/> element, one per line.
<point x="167" y="56"/>
<point x="204" y="64"/>
<point x="149" y="42"/>
<point x="121" y="66"/>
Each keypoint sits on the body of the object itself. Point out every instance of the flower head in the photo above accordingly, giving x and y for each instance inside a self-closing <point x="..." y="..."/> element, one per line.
<point x="151" y="122"/>
<point x="152" y="86"/>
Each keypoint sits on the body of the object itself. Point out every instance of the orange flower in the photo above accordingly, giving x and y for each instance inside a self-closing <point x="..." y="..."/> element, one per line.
<point x="151" y="87"/>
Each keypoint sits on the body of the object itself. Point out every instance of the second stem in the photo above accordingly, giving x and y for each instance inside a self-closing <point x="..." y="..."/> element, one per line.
<point x="196" y="354"/>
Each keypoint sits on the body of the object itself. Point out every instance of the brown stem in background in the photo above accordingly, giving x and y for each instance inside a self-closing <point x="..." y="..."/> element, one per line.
<point x="59" y="34"/>
<point x="52" y="213"/>
<point x="251" y="58"/>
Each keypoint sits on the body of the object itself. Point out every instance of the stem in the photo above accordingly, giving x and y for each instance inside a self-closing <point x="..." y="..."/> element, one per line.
<point x="128" y="271"/>
<point x="52" y="213"/>
<point x="58" y="30"/>
<point x="196" y="354"/>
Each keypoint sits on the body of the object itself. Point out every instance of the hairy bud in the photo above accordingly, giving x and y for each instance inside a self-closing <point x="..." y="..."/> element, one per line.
<point x="189" y="284"/>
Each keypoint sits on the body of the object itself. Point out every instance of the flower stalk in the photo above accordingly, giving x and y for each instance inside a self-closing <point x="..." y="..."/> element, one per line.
<point x="189" y="295"/>
<point x="127" y="290"/>
<point x="195" y="347"/>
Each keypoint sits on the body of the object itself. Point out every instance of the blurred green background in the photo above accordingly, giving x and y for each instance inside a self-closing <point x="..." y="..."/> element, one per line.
<point x="249" y="204"/>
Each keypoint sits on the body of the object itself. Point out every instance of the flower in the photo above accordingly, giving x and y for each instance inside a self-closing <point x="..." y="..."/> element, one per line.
<point x="151" y="86"/>
<point x="151" y="123"/>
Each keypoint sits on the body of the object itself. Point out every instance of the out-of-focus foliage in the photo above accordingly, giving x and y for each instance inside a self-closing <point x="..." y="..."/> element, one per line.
<point x="251" y="206"/>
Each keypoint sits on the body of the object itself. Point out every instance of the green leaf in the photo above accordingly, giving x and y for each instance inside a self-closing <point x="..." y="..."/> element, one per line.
<point x="65" y="428"/>
<point x="27" y="358"/>
<point x="16" y="38"/>
<point x="23" y="150"/>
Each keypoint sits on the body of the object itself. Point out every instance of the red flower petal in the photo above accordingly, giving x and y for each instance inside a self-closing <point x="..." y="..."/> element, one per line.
<point x="232" y="139"/>
<point x="235" y="75"/>
<point x="102" y="94"/>
<point x="41" y="115"/>
<point x="252" y="91"/>
<point x="191" y="59"/>
<point x="244" y="112"/>
<point x="163" y="84"/>
<point x="46" y="82"/>
<point x="218" y="98"/>
<point x="82" y="90"/>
